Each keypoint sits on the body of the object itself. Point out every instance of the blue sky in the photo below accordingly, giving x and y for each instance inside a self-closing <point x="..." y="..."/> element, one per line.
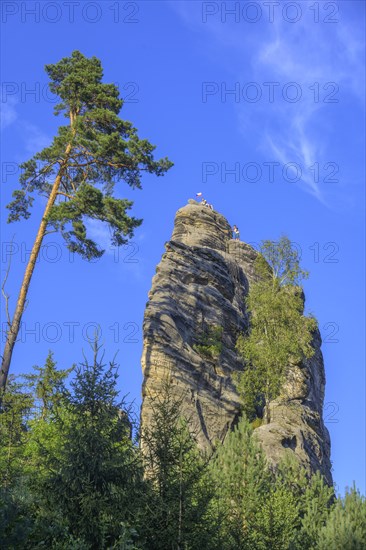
<point x="261" y="107"/>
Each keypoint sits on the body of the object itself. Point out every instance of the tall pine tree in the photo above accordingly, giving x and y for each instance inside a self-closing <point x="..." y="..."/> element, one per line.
<point x="77" y="173"/>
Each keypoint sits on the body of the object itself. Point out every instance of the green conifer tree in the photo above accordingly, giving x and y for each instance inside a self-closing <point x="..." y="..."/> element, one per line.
<point x="314" y="511"/>
<point x="177" y="492"/>
<point x="77" y="173"/>
<point x="15" y="522"/>
<point x="242" y="481"/>
<point x="15" y="410"/>
<point x="277" y="520"/>
<point x="46" y="384"/>
<point x="86" y="470"/>
<point x="313" y="498"/>
<point x="346" y="525"/>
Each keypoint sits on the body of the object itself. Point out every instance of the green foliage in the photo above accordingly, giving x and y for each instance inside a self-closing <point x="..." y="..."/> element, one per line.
<point x="210" y="342"/>
<point x="73" y="479"/>
<point x="314" y="510"/>
<point x="16" y="405"/>
<point x="89" y="156"/>
<point x="177" y="495"/>
<point x="79" y="478"/>
<point x="241" y="479"/>
<point x="280" y="261"/>
<point x="86" y="470"/>
<point x="16" y="521"/>
<point x="346" y="525"/>
<point x="313" y="497"/>
<point x="15" y="409"/>
<point x="256" y="423"/>
<point x="278" y="520"/>
<point x="255" y="508"/>
<point x="280" y="335"/>
<point x="47" y="383"/>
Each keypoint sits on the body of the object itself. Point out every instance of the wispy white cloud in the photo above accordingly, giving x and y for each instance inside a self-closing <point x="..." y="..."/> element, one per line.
<point x="304" y="52"/>
<point x="8" y="113"/>
<point x="309" y="54"/>
<point x="99" y="232"/>
<point x="127" y="256"/>
<point x="34" y="138"/>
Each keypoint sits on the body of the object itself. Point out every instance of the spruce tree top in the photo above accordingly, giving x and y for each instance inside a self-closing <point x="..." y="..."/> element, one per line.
<point x="89" y="155"/>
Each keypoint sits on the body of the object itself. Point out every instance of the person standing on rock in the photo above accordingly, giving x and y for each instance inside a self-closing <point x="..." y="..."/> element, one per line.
<point x="236" y="234"/>
<point x="204" y="202"/>
<point x="207" y="204"/>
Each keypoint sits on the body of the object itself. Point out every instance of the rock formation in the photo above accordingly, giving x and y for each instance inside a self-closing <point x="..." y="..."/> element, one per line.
<point x="201" y="282"/>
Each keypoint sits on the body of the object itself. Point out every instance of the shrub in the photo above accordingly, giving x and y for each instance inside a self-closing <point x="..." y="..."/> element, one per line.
<point x="210" y="342"/>
<point x="256" y="423"/>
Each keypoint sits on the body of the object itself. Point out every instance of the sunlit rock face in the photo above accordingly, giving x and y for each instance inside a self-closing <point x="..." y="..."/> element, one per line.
<point x="201" y="282"/>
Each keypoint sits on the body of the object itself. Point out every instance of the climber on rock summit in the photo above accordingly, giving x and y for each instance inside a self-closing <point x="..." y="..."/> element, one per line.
<point x="204" y="202"/>
<point x="236" y="234"/>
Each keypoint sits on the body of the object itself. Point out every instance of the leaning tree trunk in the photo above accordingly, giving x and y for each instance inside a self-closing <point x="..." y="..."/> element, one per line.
<point x="13" y="330"/>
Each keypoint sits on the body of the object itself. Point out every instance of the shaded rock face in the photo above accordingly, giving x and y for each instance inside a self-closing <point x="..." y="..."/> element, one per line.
<point x="200" y="283"/>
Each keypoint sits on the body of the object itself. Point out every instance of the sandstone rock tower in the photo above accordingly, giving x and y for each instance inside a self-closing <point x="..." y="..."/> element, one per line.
<point x="202" y="281"/>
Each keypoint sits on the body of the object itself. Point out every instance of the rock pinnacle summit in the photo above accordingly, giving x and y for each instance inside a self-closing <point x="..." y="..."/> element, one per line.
<point x="201" y="282"/>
